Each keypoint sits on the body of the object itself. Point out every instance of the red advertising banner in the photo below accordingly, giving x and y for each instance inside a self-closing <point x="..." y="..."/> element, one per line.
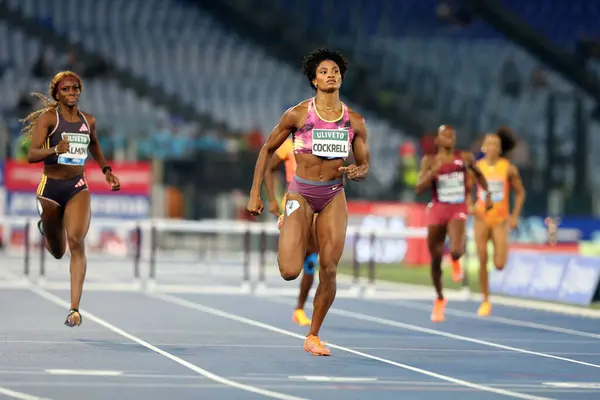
<point x="135" y="177"/>
<point x="409" y="214"/>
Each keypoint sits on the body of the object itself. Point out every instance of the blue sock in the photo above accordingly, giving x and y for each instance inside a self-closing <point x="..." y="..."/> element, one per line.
<point x="310" y="263"/>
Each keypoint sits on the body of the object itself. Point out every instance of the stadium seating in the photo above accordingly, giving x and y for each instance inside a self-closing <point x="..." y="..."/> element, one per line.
<point x="561" y="21"/>
<point x="188" y="53"/>
<point x="455" y="70"/>
<point x="116" y="109"/>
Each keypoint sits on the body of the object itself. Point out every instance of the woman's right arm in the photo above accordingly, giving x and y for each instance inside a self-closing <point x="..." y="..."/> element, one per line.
<point x="278" y="135"/>
<point x="36" y="153"/>
<point x="425" y="175"/>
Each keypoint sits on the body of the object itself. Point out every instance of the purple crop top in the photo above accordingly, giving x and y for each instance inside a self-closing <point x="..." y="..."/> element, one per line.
<point x="327" y="139"/>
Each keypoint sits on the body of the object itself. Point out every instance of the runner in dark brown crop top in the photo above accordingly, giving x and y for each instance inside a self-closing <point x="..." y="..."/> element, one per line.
<point x="61" y="136"/>
<point x="324" y="130"/>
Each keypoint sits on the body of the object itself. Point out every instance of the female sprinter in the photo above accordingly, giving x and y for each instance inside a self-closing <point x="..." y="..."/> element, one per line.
<point x="285" y="154"/>
<point x="323" y="130"/>
<point x="501" y="176"/>
<point x="61" y="136"/>
<point x="446" y="174"/>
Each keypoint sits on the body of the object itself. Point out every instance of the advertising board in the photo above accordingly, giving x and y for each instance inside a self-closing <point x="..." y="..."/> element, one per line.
<point x="564" y="278"/>
<point x="393" y="216"/>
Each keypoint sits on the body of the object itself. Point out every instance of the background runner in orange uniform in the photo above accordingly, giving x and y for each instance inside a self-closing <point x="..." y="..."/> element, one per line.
<point x="501" y="175"/>
<point x="285" y="154"/>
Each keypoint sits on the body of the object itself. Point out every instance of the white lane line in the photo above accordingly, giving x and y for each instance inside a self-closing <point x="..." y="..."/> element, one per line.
<point x="83" y="372"/>
<point x="248" y="321"/>
<point x="493" y="318"/>
<point x="387" y="287"/>
<point x="321" y="378"/>
<point x="416" y="328"/>
<point x="20" y="395"/>
<point x="268" y="393"/>
<point x="574" y="385"/>
<point x="388" y="322"/>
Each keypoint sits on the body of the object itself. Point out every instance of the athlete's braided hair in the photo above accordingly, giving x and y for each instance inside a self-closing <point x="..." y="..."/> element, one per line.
<point x="312" y="61"/>
<point x="507" y="140"/>
<point x="50" y="103"/>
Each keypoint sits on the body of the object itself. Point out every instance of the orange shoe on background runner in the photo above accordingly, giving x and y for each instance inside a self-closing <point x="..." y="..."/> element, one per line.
<point x="300" y="318"/>
<point x="485" y="309"/>
<point x="439" y="309"/>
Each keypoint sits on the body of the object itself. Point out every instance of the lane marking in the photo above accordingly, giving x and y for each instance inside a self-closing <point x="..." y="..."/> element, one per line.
<point x="319" y="378"/>
<point x="248" y="321"/>
<point x="493" y="318"/>
<point x="388" y="322"/>
<point x="384" y="288"/>
<point x="416" y="328"/>
<point x="20" y="395"/>
<point x="83" y="372"/>
<point x="268" y="393"/>
<point x="574" y="385"/>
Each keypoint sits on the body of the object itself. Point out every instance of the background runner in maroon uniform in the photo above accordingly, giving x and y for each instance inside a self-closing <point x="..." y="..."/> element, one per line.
<point x="446" y="173"/>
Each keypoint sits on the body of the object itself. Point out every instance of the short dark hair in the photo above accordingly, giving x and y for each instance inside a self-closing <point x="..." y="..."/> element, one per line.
<point x="507" y="139"/>
<point x="312" y="61"/>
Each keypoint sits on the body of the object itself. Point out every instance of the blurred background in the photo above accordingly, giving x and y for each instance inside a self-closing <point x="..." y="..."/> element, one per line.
<point x="185" y="93"/>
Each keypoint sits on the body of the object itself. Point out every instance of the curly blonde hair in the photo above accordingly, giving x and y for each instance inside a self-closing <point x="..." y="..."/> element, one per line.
<point x="50" y="103"/>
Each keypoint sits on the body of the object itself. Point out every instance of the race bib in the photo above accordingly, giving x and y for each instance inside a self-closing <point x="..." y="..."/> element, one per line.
<point x="78" y="146"/>
<point x="330" y="143"/>
<point x="496" y="189"/>
<point x="451" y="187"/>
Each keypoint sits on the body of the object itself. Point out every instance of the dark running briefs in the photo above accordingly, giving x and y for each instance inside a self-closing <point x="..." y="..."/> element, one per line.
<point x="61" y="191"/>
<point x="317" y="194"/>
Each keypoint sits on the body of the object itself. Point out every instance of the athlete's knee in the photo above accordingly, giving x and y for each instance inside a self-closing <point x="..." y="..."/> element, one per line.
<point x="57" y="253"/>
<point x="328" y="268"/>
<point x="436" y="253"/>
<point x="436" y="261"/>
<point x="483" y="260"/>
<point x="499" y="263"/>
<point x="500" y="260"/>
<point x="289" y="275"/>
<point x="76" y="243"/>
<point x="290" y="269"/>
<point x="55" y="247"/>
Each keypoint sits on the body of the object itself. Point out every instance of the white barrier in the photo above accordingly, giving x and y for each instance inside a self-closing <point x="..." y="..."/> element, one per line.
<point x="155" y="253"/>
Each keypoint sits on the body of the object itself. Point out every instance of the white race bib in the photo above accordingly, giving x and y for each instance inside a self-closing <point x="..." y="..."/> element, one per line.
<point x="330" y="143"/>
<point x="496" y="189"/>
<point x="78" y="146"/>
<point x="451" y="187"/>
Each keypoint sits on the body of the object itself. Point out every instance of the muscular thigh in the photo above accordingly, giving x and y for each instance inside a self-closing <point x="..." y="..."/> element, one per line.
<point x="436" y="236"/>
<point x="78" y="215"/>
<point x="297" y="222"/>
<point x="51" y="215"/>
<point x="499" y="234"/>
<point x="331" y="226"/>
<point x="313" y="243"/>
<point x="457" y="229"/>
<point x="483" y="233"/>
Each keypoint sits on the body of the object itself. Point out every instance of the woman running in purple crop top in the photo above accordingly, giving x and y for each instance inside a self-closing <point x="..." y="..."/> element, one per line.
<point x="324" y="130"/>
